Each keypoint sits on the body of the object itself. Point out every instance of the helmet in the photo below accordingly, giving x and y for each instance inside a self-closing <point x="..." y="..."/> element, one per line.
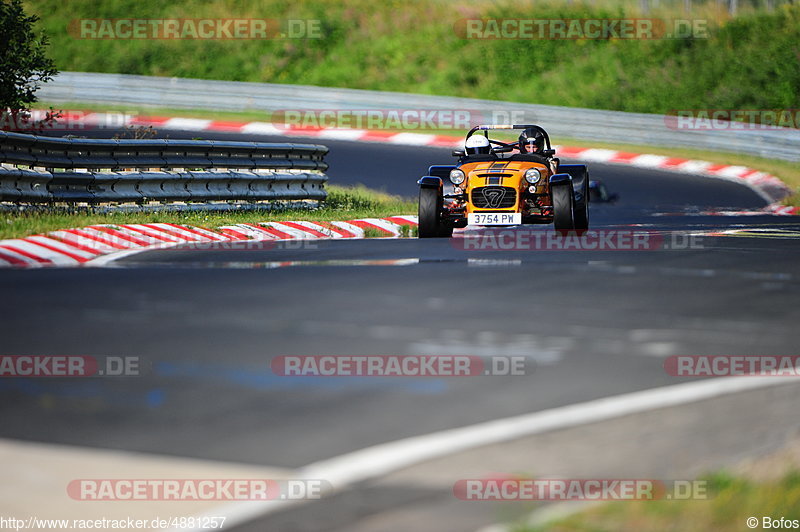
<point x="531" y="141"/>
<point x="477" y="144"/>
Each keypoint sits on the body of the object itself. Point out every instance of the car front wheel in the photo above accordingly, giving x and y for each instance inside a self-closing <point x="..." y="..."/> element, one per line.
<point x="563" y="208"/>
<point x="430" y="209"/>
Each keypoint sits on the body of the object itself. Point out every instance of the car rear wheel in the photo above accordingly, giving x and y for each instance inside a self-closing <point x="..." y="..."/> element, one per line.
<point x="581" y="214"/>
<point x="430" y="208"/>
<point x="563" y="208"/>
<point x="580" y="189"/>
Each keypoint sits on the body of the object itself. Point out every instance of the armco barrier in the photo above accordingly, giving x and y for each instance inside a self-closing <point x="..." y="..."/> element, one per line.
<point x="577" y="123"/>
<point x="121" y="171"/>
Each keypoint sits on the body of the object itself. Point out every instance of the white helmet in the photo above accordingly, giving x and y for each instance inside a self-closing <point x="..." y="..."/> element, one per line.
<point x="477" y="144"/>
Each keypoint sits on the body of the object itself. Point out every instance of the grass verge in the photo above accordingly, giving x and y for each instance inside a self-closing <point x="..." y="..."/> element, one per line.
<point x="343" y="203"/>
<point x="732" y="500"/>
<point x="748" y="61"/>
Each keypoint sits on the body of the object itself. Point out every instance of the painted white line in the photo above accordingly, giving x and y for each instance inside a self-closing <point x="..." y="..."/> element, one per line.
<point x="72" y="239"/>
<point x="342" y="134"/>
<point x="350" y="228"/>
<point x="596" y="154"/>
<point x="296" y="234"/>
<point x="238" y="231"/>
<point x="694" y="167"/>
<point x="648" y="161"/>
<point x="732" y="171"/>
<point x="189" y="124"/>
<point x="211" y="235"/>
<point x="91" y="231"/>
<point x="186" y="235"/>
<point x="371" y="462"/>
<point x="413" y="139"/>
<point x="254" y="233"/>
<point x="263" y="128"/>
<point x="138" y="235"/>
<point x="321" y="228"/>
<point x="154" y="233"/>
<point x="380" y="223"/>
<point x="30" y="263"/>
<point x="55" y="257"/>
<point x="64" y="246"/>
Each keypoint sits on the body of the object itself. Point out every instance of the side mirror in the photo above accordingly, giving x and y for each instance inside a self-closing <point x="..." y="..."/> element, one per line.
<point x="548" y="153"/>
<point x="458" y="153"/>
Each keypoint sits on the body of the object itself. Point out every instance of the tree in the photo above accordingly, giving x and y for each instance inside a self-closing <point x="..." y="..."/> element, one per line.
<point x="24" y="67"/>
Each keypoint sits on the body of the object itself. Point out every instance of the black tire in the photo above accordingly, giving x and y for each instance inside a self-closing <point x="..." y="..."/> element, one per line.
<point x="580" y="183"/>
<point x="430" y="208"/>
<point x="581" y="214"/>
<point x="563" y="208"/>
<point x="581" y="217"/>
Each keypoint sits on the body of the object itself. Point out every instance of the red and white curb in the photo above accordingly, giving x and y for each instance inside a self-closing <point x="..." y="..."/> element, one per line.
<point x="771" y="188"/>
<point x="98" y="244"/>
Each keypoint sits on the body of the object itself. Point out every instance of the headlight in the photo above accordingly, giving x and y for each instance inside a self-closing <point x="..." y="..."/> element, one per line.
<point x="456" y="176"/>
<point x="531" y="176"/>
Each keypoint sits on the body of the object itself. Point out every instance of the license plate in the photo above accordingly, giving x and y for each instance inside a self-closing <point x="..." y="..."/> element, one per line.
<point x="494" y="218"/>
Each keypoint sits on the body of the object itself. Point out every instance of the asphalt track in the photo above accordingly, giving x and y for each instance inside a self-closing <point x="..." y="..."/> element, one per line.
<point x="207" y="322"/>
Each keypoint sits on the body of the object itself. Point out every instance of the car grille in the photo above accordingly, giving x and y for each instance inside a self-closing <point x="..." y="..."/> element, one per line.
<point x="493" y="197"/>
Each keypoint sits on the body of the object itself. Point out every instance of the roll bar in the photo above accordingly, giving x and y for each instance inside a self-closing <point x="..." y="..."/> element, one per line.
<point x="509" y="126"/>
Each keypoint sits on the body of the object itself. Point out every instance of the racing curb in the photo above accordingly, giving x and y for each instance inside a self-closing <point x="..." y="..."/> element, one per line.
<point x="771" y="188"/>
<point x="100" y="243"/>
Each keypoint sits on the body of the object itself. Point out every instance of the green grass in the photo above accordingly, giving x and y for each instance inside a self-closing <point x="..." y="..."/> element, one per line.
<point x="748" y="62"/>
<point x="342" y="204"/>
<point x="731" y="501"/>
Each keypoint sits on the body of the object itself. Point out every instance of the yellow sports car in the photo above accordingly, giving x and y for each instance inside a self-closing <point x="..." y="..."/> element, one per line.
<point x="500" y="183"/>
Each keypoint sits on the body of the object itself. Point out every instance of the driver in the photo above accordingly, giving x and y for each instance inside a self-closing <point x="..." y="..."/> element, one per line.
<point x="531" y="141"/>
<point x="477" y="144"/>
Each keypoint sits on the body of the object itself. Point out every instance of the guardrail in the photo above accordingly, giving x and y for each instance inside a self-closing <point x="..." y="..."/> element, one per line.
<point x="576" y="123"/>
<point x="100" y="170"/>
